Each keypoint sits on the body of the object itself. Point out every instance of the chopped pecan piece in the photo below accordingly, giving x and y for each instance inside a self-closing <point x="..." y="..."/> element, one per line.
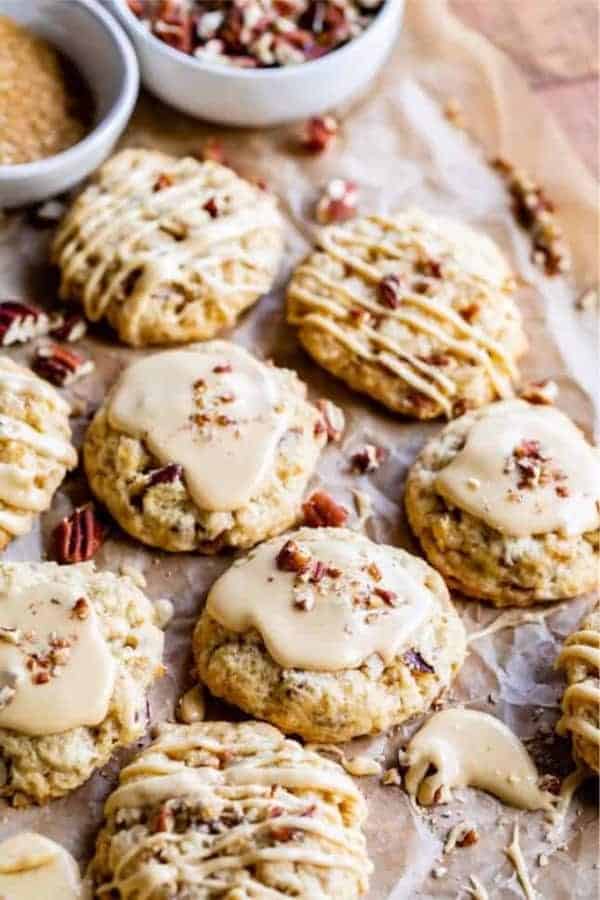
<point x="389" y="291"/>
<point x="222" y="368"/>
<point x="60" y="366"/>
<point x="293" y="558"/>
<point x="390" y="598"/>
<point x="467" y="839"/>
<point x="304" y="600"/>
<point x="319" y="133"/>
<point x="416" y="663"/>
<point x="41" y="678"/>
<point x="332" y="420"/>
<point x="321" y="511"/>
<point x="163" y="821"/>
<point x="78" y="537"/>
<point x="213" y="150"/>
<point x="20" y="322"/>
<point x="469" y="312"/>
<point x="542" y="393"/>
<point x="285" y="833"/>
<point x="68" y="327"/>
<point x="81" y="609"/>
<point x="368" y="459"/>
<point x="212" y="208"/>
<point x="318" y="572"/>
<point x="338" y="202"/>
<point x="430" y="268"/>
<point x="163" y="181"/>
<point x="165" y="475"/>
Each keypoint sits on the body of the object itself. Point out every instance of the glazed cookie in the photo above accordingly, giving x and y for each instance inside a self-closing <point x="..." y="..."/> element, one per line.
<point x="35" y="447"/>
<point x="34" y="867"/>
<point x="204" y="447"/>
<point x="78" y="652"/>
<point x="328" y="635"/>
<point x="414" y="310"/>
<point x="222" y="810"/>
<point x="505" y="504"/>
<point x="580" y="659"/>
<point x="168" y="250"/>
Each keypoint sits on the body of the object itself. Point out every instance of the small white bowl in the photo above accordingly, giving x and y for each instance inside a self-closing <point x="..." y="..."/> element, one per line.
<point x="261" y="97"/>
<point x="92" y="39"/>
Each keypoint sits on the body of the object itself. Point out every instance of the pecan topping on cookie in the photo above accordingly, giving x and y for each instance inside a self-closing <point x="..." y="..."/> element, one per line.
<point x="165" y="475"/>
<point x="211" y="207"/>
<point x="389" y="291"/>
<point x="60" y="366"/>
<point x="321" y="511"/>
<point x="79" y="536"/>
<point x="163" y="181"/>
<point x="293" y="558"/>
<point x="20" y="322"/>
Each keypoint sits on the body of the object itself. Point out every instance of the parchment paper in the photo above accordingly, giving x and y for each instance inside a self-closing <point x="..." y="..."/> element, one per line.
<point x="400" y="149"/>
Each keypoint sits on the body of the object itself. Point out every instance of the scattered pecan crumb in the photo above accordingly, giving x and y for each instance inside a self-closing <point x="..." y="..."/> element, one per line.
<point x="41" y="677"/>
<point x="293" y="558"/>
<point x="222" y="368"/>
<point x="388" y="290"/>
<point x="390" y="598"/>
<point x="430" y="268"/>
<point x="470" y="312"/>
<point x="211" y="208"/>
<point x="78" y="536"/>
<point x="20" y="322"/>
<point x="59" y="365"/>
<point x="163" y="181"/>
<point x="304" y="601"/>
<point x="540" y="392"/>
<point x="331" y="421"/>
<point x="69" y="327"/>
<point x="338" y="202"/>
<point x="467" y="839"/>
<point x="368" y="459"/>
<point x="319" y="133"/>
<point x="321" y="511"/>
<point x="535" y="212"/>
<point x="81" y="609"/>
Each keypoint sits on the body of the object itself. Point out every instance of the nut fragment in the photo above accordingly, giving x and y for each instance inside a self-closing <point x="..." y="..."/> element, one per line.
<point x="78" y="537"/>
<point x="368" y="458"/>
<point x="319" y="133"/>
<point x="293" y="558"/>
<point x="81" y="609"/>
<point x="416" y="663"/>
<point x="540" y="392"/>
<point x="389" y="291"/>
<point x="20" y="322"/>
<point x="59" y="365"/>
<point x="68" y="327"/>
<point x="165" y="475"/>
<point x="332" y="420"/>
<point x="338" y="202"/>
<point x="321" y="511"/>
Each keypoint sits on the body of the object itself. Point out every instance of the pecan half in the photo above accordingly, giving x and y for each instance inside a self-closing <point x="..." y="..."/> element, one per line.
<point x="332" y="420"/>
<point x="293" y="558"/>
<point x="319" y="133"/>
<point x="20" y="322"/>
<point x="368" y="458"/>
<point x="59" y="365"/>
<point x="338" y="202"/>
<point x="165" y="475"/>
<point x="68" y="327"/>
<point x="416" y="663"/>
<point x="79" y="536"/>
<point x="321" y="511"/>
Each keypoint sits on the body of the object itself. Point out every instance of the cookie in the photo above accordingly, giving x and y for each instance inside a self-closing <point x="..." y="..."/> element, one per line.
<point x="505" y="501"/>
<point x="35" y="447"/>
<point x="222" y="810"/>
<point x="580" y="660"/>
<point x="204" y="447"/>
<point x="32" y="866"/>
<point x="78" y="651"/>
<point x="167" y="250"/>
<point x="414" y="310"/>
<point x="329" y="635"/>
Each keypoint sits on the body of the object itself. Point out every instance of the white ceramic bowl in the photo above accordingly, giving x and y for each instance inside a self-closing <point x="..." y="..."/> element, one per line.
<point x="96" y="44"/>
<point x="261" y="97"/>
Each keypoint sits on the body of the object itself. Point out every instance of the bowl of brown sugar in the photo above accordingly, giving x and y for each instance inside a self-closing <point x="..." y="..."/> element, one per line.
<point x="69" y="80"/>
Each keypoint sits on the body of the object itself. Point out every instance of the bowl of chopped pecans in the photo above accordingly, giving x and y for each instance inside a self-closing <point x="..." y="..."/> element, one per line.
<point x="259" y="62"/>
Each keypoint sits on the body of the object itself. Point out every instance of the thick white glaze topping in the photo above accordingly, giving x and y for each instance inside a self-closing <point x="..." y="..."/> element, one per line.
<point x="212" y="408"/>
<point x="32" y="867"/>
<point x="525" y="470"/>
<point x="56" y="667"/>
<point x="353" y="598"/>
